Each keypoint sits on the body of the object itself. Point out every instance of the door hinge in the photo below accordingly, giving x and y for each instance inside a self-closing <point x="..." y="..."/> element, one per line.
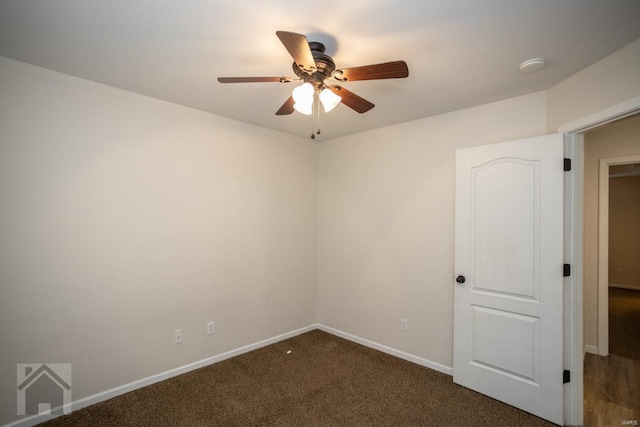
<point x="566" y="376"/>
<point x="567" y="164"/>
<point x="566" y="270"/>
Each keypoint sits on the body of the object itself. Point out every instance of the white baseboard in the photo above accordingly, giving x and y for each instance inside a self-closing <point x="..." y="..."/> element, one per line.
<point x="392" y="351"/>
<point x="126" y="388"/>
<point x="617" y="285"/>
<point x="591" y="349"/>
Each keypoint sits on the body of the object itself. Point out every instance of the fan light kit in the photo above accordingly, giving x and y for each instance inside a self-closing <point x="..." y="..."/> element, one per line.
<point x="304" y="94"/>
<point x="312" y="67"/>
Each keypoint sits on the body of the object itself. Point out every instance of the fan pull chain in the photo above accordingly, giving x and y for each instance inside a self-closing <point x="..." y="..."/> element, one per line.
<point x="318" y="114"/>
<point x="317" y="110"/>
<point x="313" y="135"/>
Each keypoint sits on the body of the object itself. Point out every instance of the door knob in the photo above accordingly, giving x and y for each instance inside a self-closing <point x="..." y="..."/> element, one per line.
<point x="460" y="279"/>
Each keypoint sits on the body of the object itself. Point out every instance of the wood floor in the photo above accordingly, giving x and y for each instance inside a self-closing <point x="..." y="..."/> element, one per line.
<point x="611" y="391"/>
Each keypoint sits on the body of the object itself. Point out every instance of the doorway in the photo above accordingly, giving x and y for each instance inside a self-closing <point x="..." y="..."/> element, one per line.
<point x="624" y="253"/>
<point x="580" y="333"/>
<point x="608" y="147"/>
<point x="607" y="150"/>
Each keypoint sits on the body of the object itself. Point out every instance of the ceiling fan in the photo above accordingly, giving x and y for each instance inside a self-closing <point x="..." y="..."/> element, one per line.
<point x="313" y="67"/>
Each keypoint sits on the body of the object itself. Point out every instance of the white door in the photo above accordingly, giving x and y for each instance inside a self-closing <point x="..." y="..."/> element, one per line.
<point x="508" y="247"/>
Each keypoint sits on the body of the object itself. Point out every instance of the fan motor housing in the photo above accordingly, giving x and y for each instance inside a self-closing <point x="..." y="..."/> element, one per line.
<point x="324" y="63"/>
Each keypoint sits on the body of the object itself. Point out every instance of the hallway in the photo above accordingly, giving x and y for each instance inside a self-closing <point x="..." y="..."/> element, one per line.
<point x="611" y="391"/>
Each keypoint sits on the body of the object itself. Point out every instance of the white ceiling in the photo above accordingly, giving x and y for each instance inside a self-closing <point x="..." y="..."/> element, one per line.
<point x="460" y="53"/>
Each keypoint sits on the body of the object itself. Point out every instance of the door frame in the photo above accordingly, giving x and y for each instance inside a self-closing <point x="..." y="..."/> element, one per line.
<point x="603" y="248"/>
<point x="574" y="344"/>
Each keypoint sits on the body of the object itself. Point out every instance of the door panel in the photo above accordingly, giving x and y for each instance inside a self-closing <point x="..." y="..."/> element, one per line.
<point x="509" y="237"/>
<point x="515" y="181"/>
<point x="495" y="330"/>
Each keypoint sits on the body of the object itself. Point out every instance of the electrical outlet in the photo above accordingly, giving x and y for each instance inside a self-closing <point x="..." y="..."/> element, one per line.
<point x="177" y="336"/>
<point x="619" y="271"/>
<point x="404" y="325"/>
<point x="210" y="328"/>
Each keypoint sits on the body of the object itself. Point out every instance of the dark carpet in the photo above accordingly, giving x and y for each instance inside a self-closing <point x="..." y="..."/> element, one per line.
<point x="323" y="381"/>
<point x="624" y="322"/>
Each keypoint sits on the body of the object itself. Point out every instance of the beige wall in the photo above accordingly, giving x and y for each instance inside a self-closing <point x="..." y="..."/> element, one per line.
<point x="123" y="218"/>
<point x="621" y="138"/>
<point x="385" y="234"/>
<point x="386" y="223"/>
<point x="613" y="80"/>
<point x="624" y="230"/>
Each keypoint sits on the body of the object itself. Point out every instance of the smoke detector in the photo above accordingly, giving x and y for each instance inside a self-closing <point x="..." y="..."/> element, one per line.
<point x="531" y="65"/>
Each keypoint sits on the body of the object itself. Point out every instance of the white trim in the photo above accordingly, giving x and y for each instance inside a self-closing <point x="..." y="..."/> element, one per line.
<point x="135" y="385"/>
<point x="392" y="351"/>
<point x="603" y="248"/>
<point x="126" y="388"/>
<point x="573" y="297"/>
<point x="574" y="413"/>
<point x="619" y="286"/>
<point x="600" y="118"/>
<point x="603" y="258"/>
<point x="591" y="349"/>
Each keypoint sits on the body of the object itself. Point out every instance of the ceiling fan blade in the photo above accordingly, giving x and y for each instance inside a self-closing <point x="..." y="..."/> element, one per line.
<point x="298" y="47"/>
<point x="254" y="79"/>
<point x="287" y="107"/>
<point x="352" y="100"/>
<point x="387" y="70"/>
